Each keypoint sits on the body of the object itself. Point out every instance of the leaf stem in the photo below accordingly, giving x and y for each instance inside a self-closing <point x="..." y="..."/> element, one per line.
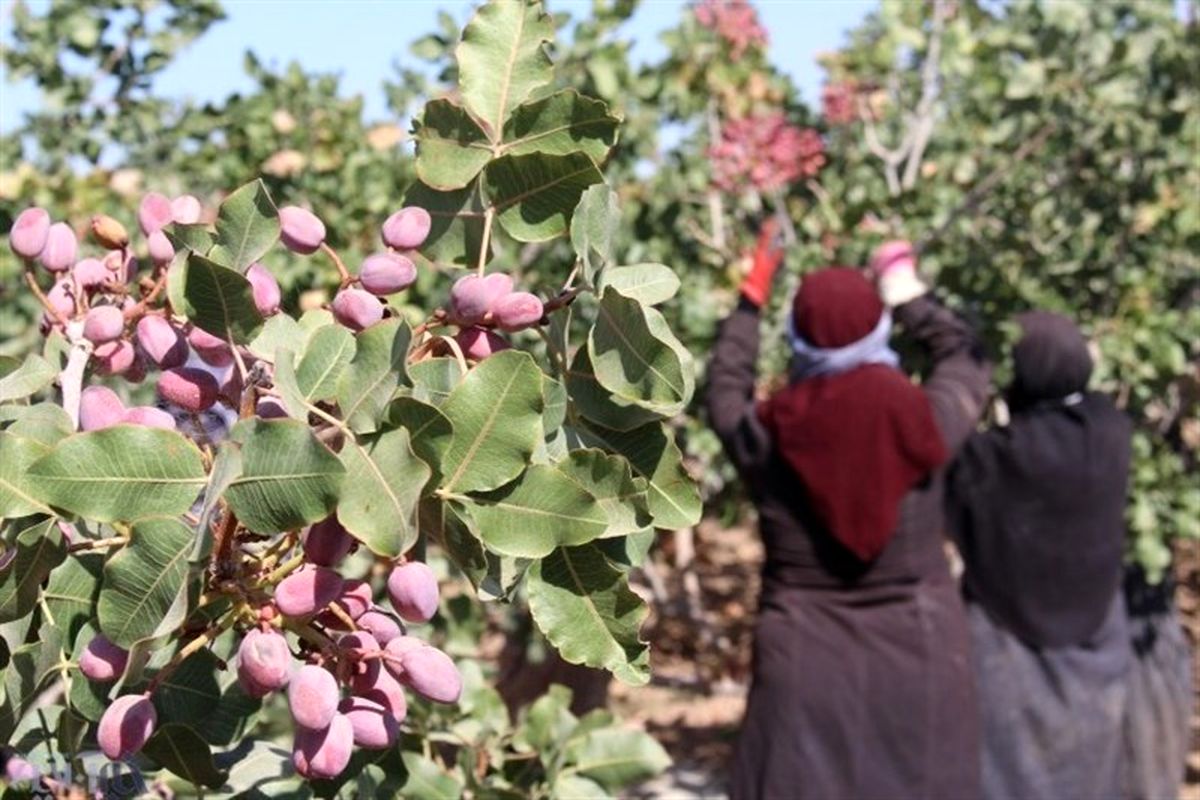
<point x="488" y="218"/>
<point x="138" y="310"/>
<point x="98" y="544"/>
<point x="284" y="569"/>
<point x="192" y="647"/>
<point x="223" y="540"/>
<point x="341" y="614"/>
<point x="332" y="420"/>
<point x="308" y="632"/>
<point x="344" y="276"/>
<point x="37" y="292"/>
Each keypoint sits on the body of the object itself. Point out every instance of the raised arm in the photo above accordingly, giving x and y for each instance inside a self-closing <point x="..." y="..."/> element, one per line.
<point x="731" y="373"/>
<point x="959" y="383"/>
<point x="731" y="379"/>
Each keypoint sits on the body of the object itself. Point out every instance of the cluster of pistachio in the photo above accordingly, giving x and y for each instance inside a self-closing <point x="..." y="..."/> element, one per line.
<point x="347" y="694"/>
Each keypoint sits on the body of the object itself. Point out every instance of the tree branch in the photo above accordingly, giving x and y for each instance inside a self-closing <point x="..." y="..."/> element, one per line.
<point x="981" y="189"/>
<point x="922" y="123"/>
<point x="716" y="204"/>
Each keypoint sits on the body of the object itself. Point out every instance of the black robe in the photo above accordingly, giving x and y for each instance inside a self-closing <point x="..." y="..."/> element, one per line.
<point x="862" y="684"/>
<point x="1037" y="509"/>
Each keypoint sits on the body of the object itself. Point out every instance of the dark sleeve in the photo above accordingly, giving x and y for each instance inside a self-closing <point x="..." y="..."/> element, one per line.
<point x="731" y="379"/>
<point x="969" y="474"/>
<point x="958" y="385"/>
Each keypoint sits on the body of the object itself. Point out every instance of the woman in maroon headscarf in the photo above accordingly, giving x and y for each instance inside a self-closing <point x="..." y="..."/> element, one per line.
<point x="862" y="678"/>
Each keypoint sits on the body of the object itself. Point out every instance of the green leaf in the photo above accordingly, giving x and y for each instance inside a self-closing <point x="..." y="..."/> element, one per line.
<point x="329" y="352"/>
<point x="371" y="379"/>
<point x="87" y="698"/>
<point x="278" y="332"/>
<point x="259" y="769"/>
<point x="46" y="423"/>
<point x="435" y="378"/>
<point x="219" y="300"/>
<point x="18" y="491"/>
<point x="29" y="669"/>
<point x="191" y="694"/>
<point x="34" y="374"/>
<point x="121" y="473"/>
<point x="617" y="757"/>
<point x="586" y="609"/>
<point x="456" y="229"/>
<point x="247" y="227"/>
<point x="1026" y="81"/>
<point x="429" y="429"/>
<point x="288" y="385"/>
<point x="502" y="59"/>
<point x="40" y="548"/>
<point x="493" y="576"/>
<point x="234" y="717"/>
<point x="72" y="592"/>
<point x="226" y="467"/>
<point x="177" y="274"/>
<point x="609" y="479"/>
<point x="547" y="722"/>
<point x="576" y="787"/>
<point x="672" y="496"/>
<point x="194" y="238"/>
<point x="144" y="584"/>
<point x="427" y="781"/>
<point x="288" y="480"/>
<point x="383" y="485"/>
<point x="635" y="356"/>
<point x="496" y="412"/>
<point x="565" y="122"/>
<point x="628" y="551"/>
<point x="535" y="195"/>
<point x="649" y="284"/>
<point x="178" y="749"/>
<point x="554" y="412"/>
<point x="542" y="510"/>
<point x="598" y="404"/>
<point x="451" y="147"/>
<point x="594" y="229"/>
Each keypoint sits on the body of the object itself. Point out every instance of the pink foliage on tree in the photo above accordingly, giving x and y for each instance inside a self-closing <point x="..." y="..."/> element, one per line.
<point x="839" y="102"/>
<point x="735" y="21"/>
<point x="766" y="153"/>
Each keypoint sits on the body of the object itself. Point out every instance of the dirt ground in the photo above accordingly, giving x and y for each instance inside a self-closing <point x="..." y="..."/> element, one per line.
<point x="701" y="631"/>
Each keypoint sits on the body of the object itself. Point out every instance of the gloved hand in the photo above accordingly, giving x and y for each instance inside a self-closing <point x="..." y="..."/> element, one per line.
<point x="767" y="258"/>
<point x="894" y="268"/>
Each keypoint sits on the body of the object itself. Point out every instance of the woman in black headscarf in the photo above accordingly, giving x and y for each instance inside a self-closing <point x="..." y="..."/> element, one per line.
<point x="1037" y="508"/>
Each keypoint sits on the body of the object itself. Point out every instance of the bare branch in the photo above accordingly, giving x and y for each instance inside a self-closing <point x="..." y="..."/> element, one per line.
<point x="716" y="204"/>
<point x="982" y="188"/>
<point x="923" y="119"/>
<point x="891" y="158"/>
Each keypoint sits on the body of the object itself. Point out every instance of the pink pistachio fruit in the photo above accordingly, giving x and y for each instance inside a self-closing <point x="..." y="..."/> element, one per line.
<point x="29" y="232"/>
<point x="300" y="230"/>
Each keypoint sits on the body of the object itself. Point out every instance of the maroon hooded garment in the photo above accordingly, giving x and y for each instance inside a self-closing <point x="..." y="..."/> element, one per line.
<point x="862" y="686"/>
<point x="858" y="440"/>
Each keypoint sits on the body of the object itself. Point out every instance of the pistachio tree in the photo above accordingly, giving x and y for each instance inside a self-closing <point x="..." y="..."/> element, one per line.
<point x="260" y="535"/>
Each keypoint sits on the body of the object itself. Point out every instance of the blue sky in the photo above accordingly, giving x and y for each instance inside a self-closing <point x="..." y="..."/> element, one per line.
<point x="361" y="39"/>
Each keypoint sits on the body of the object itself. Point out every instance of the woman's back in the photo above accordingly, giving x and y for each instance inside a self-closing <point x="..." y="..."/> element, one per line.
<point x="1037" y="508"/>
<point x="1038" y="511"/>
<point x="862" y="684"/>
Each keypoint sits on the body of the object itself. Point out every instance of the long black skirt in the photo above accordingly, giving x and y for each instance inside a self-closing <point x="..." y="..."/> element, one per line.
<point x="863" y="694"/>
<point x="1052" y="718"/>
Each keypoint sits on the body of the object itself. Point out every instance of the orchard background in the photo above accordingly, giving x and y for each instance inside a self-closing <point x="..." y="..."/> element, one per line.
<point x="1041" y="154"/>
